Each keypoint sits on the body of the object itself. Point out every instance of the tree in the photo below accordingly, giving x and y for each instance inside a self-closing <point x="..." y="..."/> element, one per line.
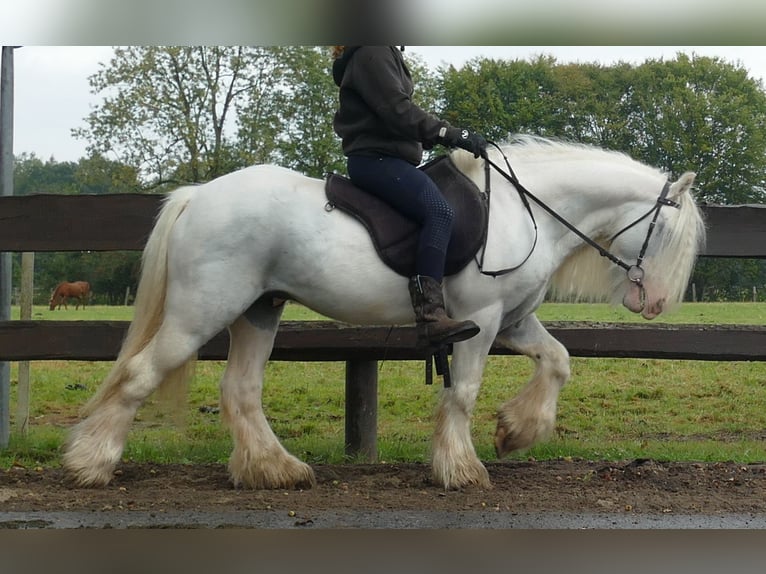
<point x="589" y="100"/>
<point x="502" y="97"/>
<point x="98" y="175"/>
<point x="32" y="175"/>
<point x="704" y="115"/>
<point x="166" y="109"/>
<point x="303" y="105"/>
<point x="699" y="114"/>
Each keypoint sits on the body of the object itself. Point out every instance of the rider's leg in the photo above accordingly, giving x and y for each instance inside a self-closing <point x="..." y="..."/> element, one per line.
<point x="411" y="192"/>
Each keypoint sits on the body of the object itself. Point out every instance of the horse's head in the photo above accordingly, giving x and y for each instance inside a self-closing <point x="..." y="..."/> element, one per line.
<point x="658" y="279"/>
<point x="663" y="242"/>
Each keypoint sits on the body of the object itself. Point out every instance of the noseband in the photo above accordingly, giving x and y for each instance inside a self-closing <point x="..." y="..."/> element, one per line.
<point x="635" y="272"/>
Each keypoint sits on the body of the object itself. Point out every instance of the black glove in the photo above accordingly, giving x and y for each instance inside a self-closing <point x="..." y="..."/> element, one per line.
<point x="467" y="140"/>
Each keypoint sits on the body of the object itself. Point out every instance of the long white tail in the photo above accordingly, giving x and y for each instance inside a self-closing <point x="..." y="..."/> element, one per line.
<point x="150" y="298"/>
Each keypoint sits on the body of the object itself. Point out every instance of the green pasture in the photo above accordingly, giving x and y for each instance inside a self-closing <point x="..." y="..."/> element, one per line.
<point x="612" y="409"/>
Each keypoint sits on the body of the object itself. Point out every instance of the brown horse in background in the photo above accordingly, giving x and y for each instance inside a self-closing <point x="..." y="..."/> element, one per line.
<point x="79" y="290"/>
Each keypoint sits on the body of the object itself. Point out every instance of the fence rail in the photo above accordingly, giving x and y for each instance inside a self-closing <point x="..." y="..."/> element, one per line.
<point x="331" y="341"/>
<point x="124" y="221"/>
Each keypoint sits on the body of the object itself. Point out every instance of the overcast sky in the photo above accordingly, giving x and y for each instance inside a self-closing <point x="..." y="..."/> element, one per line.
<point x="52" y="95"/>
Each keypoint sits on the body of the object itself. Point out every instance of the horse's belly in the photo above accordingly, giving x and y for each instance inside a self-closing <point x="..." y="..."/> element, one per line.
<point x="341" y="276"/>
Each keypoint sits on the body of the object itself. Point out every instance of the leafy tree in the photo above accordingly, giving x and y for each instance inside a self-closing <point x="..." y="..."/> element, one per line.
<point x="98" y="175"/>
<point x="306" y="100"/>
<point x="501" y="97"/>
<point x="699" y="114"/>
<point x="704" y="115"/>
<point x="590" y="99"/>
<point x="31" y="175"/>
<point x="258" y="118"/>
<point x="428" y="92"/>
<point x="112" y="273"/>
<point x="166" y="109"/>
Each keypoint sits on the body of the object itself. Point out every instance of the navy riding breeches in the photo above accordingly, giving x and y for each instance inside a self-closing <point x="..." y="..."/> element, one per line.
<point x="413" y="194"/>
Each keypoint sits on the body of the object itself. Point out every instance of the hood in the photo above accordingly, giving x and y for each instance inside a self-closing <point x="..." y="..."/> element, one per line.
<point x="339" y="65"/>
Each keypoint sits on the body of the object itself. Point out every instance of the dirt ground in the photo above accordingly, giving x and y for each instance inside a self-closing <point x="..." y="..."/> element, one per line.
<point x="638" y="486"/>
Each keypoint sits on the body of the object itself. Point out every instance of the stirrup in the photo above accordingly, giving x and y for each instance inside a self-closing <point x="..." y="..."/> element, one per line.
<point x="439" y="356"/>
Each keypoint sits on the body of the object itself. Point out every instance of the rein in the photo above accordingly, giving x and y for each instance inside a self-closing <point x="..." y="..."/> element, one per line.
<point x="635" y="272"/>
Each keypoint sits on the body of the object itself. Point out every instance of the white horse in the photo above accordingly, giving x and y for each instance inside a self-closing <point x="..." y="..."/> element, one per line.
<point x="223" y="253"/>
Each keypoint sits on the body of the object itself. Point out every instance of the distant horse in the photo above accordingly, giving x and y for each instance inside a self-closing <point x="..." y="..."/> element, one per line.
<point x="226" y="253"/>
<point x="79" y="290"/>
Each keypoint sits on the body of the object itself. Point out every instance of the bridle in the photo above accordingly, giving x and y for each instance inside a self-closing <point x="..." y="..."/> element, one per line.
<point x="634" y="272"/>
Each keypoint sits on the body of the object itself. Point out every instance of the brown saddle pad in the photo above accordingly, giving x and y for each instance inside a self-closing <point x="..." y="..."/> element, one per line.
<point x="396" y="237"/>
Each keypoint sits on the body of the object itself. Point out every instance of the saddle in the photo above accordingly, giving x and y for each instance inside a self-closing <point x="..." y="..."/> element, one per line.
<point x="395" y="237"/>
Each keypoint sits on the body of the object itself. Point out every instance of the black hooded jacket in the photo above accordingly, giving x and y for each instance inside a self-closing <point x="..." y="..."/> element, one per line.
<point x="376" y="115"/>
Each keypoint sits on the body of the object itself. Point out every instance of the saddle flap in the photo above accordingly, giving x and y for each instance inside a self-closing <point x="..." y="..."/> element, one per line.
<point x="387" y="225"/>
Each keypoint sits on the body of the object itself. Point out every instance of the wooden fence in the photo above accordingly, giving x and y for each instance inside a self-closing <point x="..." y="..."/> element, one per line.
<point x="123" y="222"/>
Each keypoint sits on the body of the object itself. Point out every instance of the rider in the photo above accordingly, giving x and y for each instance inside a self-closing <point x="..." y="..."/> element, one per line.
<point x="383" y="135"/>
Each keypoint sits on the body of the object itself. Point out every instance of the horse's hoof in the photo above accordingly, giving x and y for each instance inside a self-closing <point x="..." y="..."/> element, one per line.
<point x="297" y="475"/>
<point x="475" y="475"/>
<point x="87" y="477"/>
<point x="512" y="436"/>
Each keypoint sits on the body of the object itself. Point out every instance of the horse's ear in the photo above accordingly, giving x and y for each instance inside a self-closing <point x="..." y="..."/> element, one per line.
<point x="683" y="185"/>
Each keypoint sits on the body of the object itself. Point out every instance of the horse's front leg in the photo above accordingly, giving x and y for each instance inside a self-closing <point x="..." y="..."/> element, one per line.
<point x="258" y="459"/>
<point x="530" y="416"/>
<point x="453" y="458"/>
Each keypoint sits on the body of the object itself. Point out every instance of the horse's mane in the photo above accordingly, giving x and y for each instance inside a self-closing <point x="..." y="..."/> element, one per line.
<point x="585" y="275"/>
<point x="526" y="147"/>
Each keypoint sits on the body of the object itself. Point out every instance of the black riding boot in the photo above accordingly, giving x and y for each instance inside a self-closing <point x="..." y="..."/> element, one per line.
<point x="434" y="327"/>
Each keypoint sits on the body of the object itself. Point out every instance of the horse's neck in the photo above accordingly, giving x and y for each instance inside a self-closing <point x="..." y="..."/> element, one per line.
<point x="594" y="191"/>
<point x="594" y="198"/>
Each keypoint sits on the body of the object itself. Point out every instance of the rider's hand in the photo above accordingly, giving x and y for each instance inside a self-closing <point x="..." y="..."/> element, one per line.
<point x="467" y="140"/>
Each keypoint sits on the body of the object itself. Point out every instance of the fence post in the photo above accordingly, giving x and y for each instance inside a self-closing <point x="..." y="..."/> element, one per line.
<point x="362" y="410"/>
<point x="6" y="188"/>
<point x="25" y="314"/>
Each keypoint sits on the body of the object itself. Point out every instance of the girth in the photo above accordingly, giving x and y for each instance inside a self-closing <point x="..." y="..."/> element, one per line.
<point x="396" y="237"/>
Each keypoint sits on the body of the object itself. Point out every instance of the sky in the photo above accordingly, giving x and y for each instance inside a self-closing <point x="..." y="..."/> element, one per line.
<point x="52" y="95"/>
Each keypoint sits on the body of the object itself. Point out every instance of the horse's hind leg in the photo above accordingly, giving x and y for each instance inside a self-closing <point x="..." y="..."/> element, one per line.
<point x="530" y="416"/>
<point x="258" y="459"/>
<point x="95" y="444"/>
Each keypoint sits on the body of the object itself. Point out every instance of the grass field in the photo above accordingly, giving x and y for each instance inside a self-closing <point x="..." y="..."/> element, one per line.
<point x="611" y="409"/>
